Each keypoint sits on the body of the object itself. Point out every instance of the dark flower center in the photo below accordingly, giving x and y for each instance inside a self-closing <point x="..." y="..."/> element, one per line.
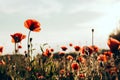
<point x="32" y="26"/>
<point x="17" y="39"/>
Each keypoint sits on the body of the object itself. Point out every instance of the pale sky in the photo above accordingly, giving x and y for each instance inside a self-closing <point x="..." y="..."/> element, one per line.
<point x="62" y="21"/>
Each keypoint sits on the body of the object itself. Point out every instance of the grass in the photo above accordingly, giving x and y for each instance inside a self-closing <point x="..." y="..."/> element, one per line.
<point x="58" y="67"/>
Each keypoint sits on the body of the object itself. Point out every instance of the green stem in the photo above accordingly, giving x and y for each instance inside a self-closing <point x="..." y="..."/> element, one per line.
<point x="15" y="48"/>
<point x="28" y="45"/>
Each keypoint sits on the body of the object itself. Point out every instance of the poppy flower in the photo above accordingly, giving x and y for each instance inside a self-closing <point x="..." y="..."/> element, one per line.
<point x="113" y="44"/>
<point x="95" y="48"/>
<point x="108" y="53"/>
<point x="62" y="71"/>
<point x="87" y="50"/>
<point x="41" y="77"/>
<point x="32" y="25"/>
<point x="81" y="75"/>
<point x="69" y="57"/>
<point x="64" y="48"/>
<point x="70" y="44"/>
<point x="113" y="70"/>
<point x="77" y="48"/>
<point x="90" y="49"/>
<point x="81" y="59"/>
<point x="28" y="68"/>
<point x="75" y="66"/>
<point x="102" y="58"/>
<point x="17" y="37"/>
<point x="1" y="49"/>
<point x="19" y="46"/>
<point x="61" y="54"/>
<point x="47" y="53"/>
<point x="83" y="50"/>
<point x="51" y="50"/>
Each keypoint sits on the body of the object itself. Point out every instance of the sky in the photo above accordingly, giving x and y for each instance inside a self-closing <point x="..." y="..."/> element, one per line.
<point x="62" y="21"/>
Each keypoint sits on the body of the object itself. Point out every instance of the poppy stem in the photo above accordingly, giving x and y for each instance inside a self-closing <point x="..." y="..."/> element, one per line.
<point x="92" y="37"/>
<point x="15" y="48"/>
<point x="28" y="45"/>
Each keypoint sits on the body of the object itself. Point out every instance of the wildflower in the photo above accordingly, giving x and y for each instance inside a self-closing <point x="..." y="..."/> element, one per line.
<point x="81" y="59"/>
<point x="39" y="76"/>
<point x="64" y="48"/>
<point x="81" y="75"/>
<point x="61" y="54"/>
<point x="28" y="68"/>
<point x="32" y="25"/>
<point x="75" y="66"/>
<point x="62" y="71"/>
<point x="70" y="44"/>
<point x="113" y="70"/>
<point x="69" y="57"/>
<point x="95" y="48"/>
<point x="90" y="50"/>
<point x="113" y="44"/>
<point x="19" y="46"/>
<point x="1" y="49"/>
<point x="87" y="50"/>
<point x="102" y="58"/>
<point x="47" y="53"/>
<point x="108" y="53"/>
<point x="51" y="50"/>
<point x="83" y="50"/>
<point x="17" y="37"/>
<point x="77" y="48"/>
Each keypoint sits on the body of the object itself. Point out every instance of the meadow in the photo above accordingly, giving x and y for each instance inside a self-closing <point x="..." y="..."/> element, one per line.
<point x="87" y="62"/>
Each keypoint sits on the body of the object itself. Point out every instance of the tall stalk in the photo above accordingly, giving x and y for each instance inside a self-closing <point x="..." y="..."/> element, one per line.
<point x="15" y="48"/>
<point x="28" y="45"/>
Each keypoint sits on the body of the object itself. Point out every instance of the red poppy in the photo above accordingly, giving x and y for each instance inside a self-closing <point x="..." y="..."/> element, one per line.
<point x="70" y="44"/>
<point x="19" y="46"/>
<point x="41" y="77"/>
<point x="87" y="50"/>
<point x="47" y="53"/>
<point x="28" y="68"/>
<point x="64" y="48"/>
<point x="81" y="59"/>
<point x="113" y="70"/>
<point x="1" y="49"/>
<point x="102" y="58"/>
<point x="77" y="48"/>
<point x="95" y="48"/>
<point x="32" y="25"/>
<point x="81" y="75"/>
<point x="51" y="50"/>
<point x="108" y="53"/>
<point x="62" y="71"/>
<point x="61" y="53"/>
<point x="69" y="57"/>
<point x="90" y="49"/>
<point x="17" y="37"/>
<point x="83" y="50"/>
<point x="113" y="44"/>
<point x="75" y="66"/>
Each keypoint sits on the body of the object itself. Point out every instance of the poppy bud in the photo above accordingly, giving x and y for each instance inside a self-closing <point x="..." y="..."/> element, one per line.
<point x="30" y="39"/>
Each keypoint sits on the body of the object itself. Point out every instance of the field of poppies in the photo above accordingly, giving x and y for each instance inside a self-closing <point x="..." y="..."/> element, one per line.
<point x="87" y="62"/>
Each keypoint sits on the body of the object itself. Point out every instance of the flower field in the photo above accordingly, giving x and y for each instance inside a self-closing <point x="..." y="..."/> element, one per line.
<point x="87" y="62"/>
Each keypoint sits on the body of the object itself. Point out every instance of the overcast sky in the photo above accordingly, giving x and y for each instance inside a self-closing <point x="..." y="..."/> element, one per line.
<point x="61" y="21"/>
